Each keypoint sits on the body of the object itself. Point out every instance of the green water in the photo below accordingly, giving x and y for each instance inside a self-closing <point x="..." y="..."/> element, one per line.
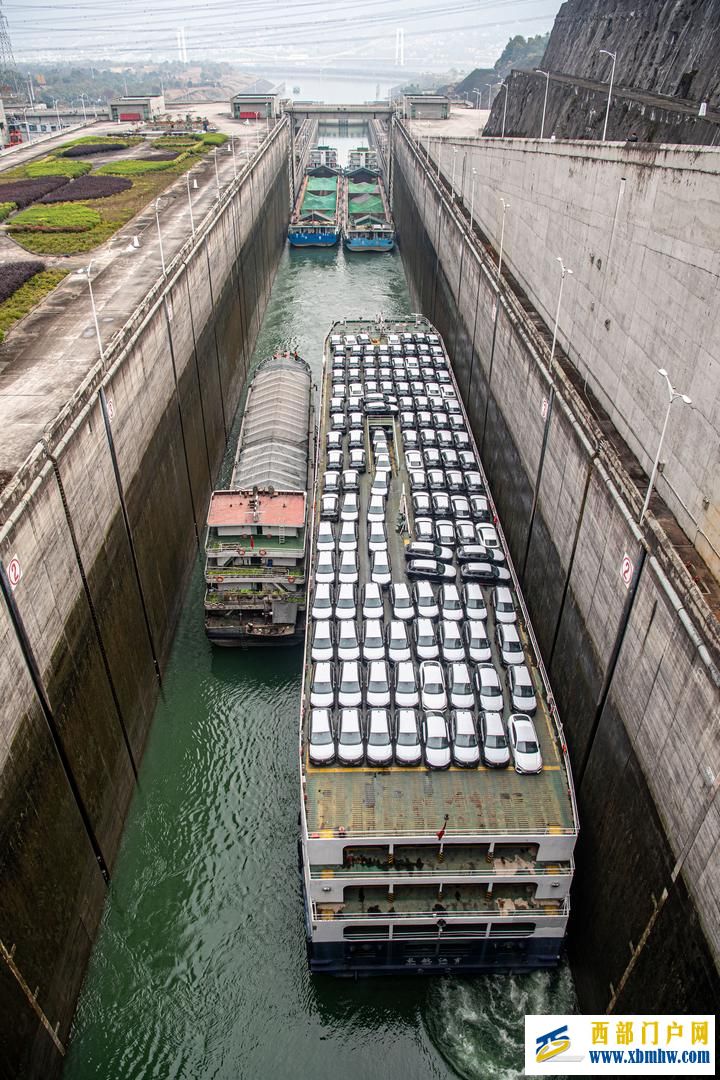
<point x="199" y="970"/>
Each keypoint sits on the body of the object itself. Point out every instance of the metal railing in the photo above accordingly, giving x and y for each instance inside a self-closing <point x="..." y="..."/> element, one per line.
<point x="562" y="910"/>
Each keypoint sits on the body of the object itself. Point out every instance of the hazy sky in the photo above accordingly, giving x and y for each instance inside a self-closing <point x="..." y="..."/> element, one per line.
<point x="259" y="29"/>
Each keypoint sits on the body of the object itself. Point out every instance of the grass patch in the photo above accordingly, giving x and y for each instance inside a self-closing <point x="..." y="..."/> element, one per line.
<point x="62" y="217"/>
<point x="87" y="187"/>
<point x="138" y="166"/>
<point x="213" y="138"/>
<point x="6" y="208"/>
<point x="53" y="166"/>
<point x="27" y="296"/>
<point x="93" y="148"/>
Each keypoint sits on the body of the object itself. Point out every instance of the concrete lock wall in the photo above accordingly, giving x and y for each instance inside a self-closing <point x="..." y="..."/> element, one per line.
<point x="637" y="691"/>
<point x="640" y="231"/>
<point x="104" y="520"/>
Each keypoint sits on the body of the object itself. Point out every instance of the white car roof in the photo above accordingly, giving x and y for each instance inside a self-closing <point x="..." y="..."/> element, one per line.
<point x="488" y="675"/>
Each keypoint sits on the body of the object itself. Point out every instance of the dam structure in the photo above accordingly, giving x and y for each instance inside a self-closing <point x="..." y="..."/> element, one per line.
<point x="108" y="473"/>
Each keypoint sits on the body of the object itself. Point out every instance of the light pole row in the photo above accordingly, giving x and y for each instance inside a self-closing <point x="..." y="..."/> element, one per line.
<point x="539" y="71"/>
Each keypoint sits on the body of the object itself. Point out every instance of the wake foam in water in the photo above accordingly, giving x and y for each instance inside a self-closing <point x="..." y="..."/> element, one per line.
<point x="477" y="1025"/>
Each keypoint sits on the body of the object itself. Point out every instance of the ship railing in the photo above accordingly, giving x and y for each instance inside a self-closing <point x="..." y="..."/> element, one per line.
<point x="330" y="872"/>
<point x="283" y="548"/>
<point x="343" y="833"/>
<point x="509" y="910"/>
<point x="279" y="573"/>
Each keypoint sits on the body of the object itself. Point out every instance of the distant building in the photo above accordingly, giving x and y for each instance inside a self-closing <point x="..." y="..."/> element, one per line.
<point x="39" y="120"/>
<point x="137" y="107"/>
<point x="254" y="106"/>
<point x="426" y="106"/>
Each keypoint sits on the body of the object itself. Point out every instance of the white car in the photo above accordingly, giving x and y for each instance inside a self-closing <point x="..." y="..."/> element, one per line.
<point x="349" y="688"/>
<point x="325" y="537"/>
<point x="413" y="460"/>
<point x="524" y="745"/>
<point x="487" y="536"/>
<point x="380" y="572"/>
<point x="347" y="642"/>
<point x="322" y="686"/>
<point x="373" y="641"/>
<point x="407" y="695"/>
<point x="495" y="752"/>
<point x="322" y="641"/>
<point x="345" y="604"/>
<point x="325" y="568"/>
<point x="348" y="539"/>
<point x="321" y="745"/>
<point x="452" y="647"/>
<point x="460" y="688"/>
<point x="376" y="508"/>
<point x="398" y="646"/>
<point x="451" y="604"/>
<point x="445" y="533"/>
<point x="378" y="685"/>
<point x="522" y="690"/>
<point x="477" y="642"/>
<point x="432" y="686"/>
<point x="350" y="510"/>
<point x="425" y="601"/>
<point x="408" y="748"/>
<point x="509" y="644"/>
<point x="437" y="741"/>
<point x="329" y="507"/>
<point x="372" y="607"/>
<point x="465" y="748"/>
<point x="503" y="605"/>
<point x="426" y="645"/>
<point x="401" y="602"/>
<point x="474" y="601"/>
<point x="322" y="606"/>
<point x="377" y="536"/>
<point x="378" y="748"/>
<point x="489" y="689"/>
<point x="348" y="568"/>
<point x="381" y="484"/>
<point x="465" y="532"/>
<point x="350" y="749"/>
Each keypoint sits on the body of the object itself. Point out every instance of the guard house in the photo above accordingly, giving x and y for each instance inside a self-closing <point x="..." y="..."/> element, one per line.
<point x="255" y="106"/>
<point x="426" y="107"/>
<point x="136" y="108"/>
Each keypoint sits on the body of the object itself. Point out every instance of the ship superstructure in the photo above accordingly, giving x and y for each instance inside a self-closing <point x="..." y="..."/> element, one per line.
<point x="323" y="155"/>
<point x="423" y="848"/>
<point x="362" y="157"/>
<point x="257" y="530"/>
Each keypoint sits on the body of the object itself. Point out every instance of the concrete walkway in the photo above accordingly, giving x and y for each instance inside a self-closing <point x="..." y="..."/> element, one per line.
<point x="47" y="355"/>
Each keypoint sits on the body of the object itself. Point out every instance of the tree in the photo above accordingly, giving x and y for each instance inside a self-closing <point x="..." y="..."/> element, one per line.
<point x="521" y="52"/>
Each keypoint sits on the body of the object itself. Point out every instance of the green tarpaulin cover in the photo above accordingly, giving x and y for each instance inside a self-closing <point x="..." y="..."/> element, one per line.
<point x="366" y="204"/>
<point x="322" y="183"/>
<point x="361" y="189"/>
<point x="319" y="202"/>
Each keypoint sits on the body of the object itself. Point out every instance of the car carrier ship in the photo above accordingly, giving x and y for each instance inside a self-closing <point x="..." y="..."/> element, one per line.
<point x="257" y="530"/>
<point x="367" y="221"/>
<point x="315" y="220"/>
<point x="438" y="816"/>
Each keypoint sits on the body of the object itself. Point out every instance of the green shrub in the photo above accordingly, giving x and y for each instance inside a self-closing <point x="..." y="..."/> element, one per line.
<point x="52" y="166"/>
<point x="213" y="138"/>
<point x="175" y="142"/>
<point x="137" y="167"/>
<point x="6" y="208"/>
<point x="27" y="296"/>
<point x="91" y="139"/>
<point x="60" y="217"/>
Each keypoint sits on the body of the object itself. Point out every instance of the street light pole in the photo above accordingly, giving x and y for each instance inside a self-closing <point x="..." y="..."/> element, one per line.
<point x="82" y="102"/>
<point x="57" y="113"/>
<point x="232" y="151"/>
<point x="547" y="87"/>
<point x="564" y="272"/>
<point x="478" y="95"/>
<point x="440" y="150"/>
<point x="85" y="272"/>
<point x="159" y="232"/>
<point x="672" y="395"/>
<point x="452" y="179"/>
<point x="613" y="57"/>
<point x="472" y="198"/>
<point x="192" y="218"/>
<point x="217" y="174"/>
<point x="505" y="205"/>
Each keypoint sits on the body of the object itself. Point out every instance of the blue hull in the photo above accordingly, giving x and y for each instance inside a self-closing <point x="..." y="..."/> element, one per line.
<point x="396" y="957"/>
<point x="303" y="239"/>
<point x="359" y="243"/>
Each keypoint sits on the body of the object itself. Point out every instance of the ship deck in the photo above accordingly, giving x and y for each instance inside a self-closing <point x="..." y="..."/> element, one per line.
<point x="400" y="801"/>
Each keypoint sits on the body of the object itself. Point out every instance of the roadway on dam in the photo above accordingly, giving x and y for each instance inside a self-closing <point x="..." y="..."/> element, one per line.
<point x="200" y="968"/>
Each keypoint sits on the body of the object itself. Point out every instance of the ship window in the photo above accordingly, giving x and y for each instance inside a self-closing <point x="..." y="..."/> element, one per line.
<point x="418" y="930"/>
<point x="512" y="929"/>
<point x="368" y="932"/>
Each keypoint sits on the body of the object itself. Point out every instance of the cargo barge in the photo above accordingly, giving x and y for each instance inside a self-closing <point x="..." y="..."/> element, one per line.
<point x="367" y="221"/>
<point x="257" y="530"/>
<point x="438" y="816"/>
<point x="315" y="220"/>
